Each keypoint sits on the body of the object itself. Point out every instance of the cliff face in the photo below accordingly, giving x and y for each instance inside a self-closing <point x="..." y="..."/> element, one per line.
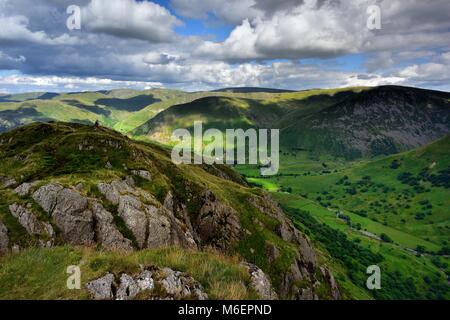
<point x="84" y="186"/>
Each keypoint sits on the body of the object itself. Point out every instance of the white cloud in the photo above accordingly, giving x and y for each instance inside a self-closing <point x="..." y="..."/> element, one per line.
<point x="48" y="83"/>
<point x="130" y="19"/>
<point x="303" y="32"/>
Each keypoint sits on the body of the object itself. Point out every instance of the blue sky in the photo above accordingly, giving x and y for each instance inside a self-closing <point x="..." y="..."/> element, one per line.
<point x="210" y="44"/>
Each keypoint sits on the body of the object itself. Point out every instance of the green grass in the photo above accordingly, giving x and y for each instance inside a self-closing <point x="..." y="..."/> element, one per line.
<point x="41" y="273"/>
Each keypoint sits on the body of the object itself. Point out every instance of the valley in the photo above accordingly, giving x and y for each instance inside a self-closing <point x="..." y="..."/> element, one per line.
<point x="364" y="172"/>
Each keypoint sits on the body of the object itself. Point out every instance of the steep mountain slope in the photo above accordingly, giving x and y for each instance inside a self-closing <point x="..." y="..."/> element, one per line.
<point x="382" y="120"/>
<point x="72" y="184"/>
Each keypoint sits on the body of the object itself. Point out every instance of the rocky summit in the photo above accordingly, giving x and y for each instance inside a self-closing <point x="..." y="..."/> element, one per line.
<point x="79" y="186"/>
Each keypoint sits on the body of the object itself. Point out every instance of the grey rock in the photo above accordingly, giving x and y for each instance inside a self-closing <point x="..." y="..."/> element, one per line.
<point x="4" y="239"/>
<point x="217" y="224"/>
<point x="132" y="212"/>
<point x="70" y="211"/>
<point x="152" y="225"/>
<point x="46" y="196"/>
<point x="260" y="282"/>
<point x="172" y="285"/>
<point x="128" y="288"/>
<point x="25" y="188"/>
<point x="33" y="226"/>
<point x="102" y="288"/>
<point x="145" y="281"/>
<point x="143" y="174"/>
<point x="159" y="228"/>
<point x="181" y="286"/>
<point x="334" y="288"/>
<point x="106" y="231"/>
<point x="112" y="191"/>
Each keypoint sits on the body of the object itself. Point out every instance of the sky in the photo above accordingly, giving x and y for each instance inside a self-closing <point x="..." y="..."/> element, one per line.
<point x="198" y="45"/>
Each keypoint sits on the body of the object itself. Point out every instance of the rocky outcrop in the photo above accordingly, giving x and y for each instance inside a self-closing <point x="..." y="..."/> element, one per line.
<point x="260" y="282"/>
<point x="152" y="283"/>
<point x="4" y="239"/>
<point x="80" y="220"/>
<point x="334" y="288"/>
<point x="152" y="224"/>
<point x="304" y="267"/>
<point x="217" y="224"/>
<point x="70" y="211"/>
<point x="33" y="225"/>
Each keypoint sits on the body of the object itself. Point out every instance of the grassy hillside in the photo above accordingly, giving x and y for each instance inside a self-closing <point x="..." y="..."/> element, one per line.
<point x="73" y="154"/>
<point x="214" y="112"/>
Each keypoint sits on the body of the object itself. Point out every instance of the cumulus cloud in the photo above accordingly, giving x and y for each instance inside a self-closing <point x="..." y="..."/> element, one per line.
<point x="323" y="29"/>
<point x="293" y="44"/>
<point x="130" y="19"/>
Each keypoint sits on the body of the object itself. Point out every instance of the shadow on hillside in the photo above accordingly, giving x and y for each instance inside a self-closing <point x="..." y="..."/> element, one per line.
<point x="131" y="104"/>
<point x="94" y="109"/>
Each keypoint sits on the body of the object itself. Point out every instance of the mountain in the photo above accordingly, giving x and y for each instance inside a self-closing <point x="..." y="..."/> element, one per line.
<point x="348" y="123"/>
<point x="89" y="193"/>
<point x="383" y="120"/>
